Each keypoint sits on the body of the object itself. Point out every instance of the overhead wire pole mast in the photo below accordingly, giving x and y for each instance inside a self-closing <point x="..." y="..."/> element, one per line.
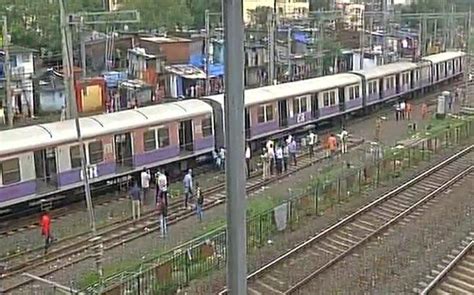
<point x="7" y="70"/>
<point x="68" y="63"/>
<point x="234" y="128"/>
<point x="207" y="49"/>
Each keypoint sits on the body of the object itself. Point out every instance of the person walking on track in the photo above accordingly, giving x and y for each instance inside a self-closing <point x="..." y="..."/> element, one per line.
<point x="279" y="159"/>
<point x="292" y="149"/>
<point x="136" y="200"/>
<point x="162" y="187"/>
<point x="145" y="178"/>
<point x="286" y="157"/>
<point x="247" y="160"/>
<point x="45" y="223"/>
<point x="344" y="138"/>
<point x="188" y="187"/>
<point x="199" y="202"/>
<point x="162" y="209"/>
<point x="311" y="142"/>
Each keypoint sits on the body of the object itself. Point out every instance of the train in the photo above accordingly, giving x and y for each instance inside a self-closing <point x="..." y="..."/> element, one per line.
<point x="40" y="161"/>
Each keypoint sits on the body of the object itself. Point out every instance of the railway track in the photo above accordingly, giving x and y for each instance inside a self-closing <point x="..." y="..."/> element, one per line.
<point x="456" y="274"/>
<point x="292" y="271"/>
<point x="75" y="249"/>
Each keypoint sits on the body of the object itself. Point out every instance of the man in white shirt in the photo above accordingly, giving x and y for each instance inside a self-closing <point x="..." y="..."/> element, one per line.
<point x="402" y="110"/>
<point x="145" y="182"/>
<point x="279" y="159"/>
<point x="311" y="142"/>
<point x="247" y="159"/>
<point x="344" y="136"/>
<point x="162" y="187"/>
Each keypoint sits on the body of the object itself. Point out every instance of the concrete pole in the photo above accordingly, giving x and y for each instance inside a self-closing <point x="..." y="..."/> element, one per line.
<point x="271" y="50"/>
<point x="290" y="71"/>
<point x="207" y="50"/>
<point x="68" y="72"/>
<point x="83" y="48"/>
<point x="7" y="70"/>
<point x="320" y="47"/>
<point x="234" y="128"/>
<point x="362" y="42"/>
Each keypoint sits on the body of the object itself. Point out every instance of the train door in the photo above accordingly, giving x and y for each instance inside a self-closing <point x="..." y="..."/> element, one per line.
<point x="381" y="88"/>
<point x="283" y="112"/>
<point x="398" y="82"/>
<point x="342" y="99"/>
<point x="314" y="106"/>
<point x="247" y="123"/>
<point x="123" y="150"/>
<point x="45" y="169"/>
<point x="186" y="135"/>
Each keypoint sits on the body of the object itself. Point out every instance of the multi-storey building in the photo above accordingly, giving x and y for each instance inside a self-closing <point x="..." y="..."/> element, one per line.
<point x="284" y="8"/>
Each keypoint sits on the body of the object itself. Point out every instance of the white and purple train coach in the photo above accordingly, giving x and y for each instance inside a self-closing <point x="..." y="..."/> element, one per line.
<point x="41" y="159"/>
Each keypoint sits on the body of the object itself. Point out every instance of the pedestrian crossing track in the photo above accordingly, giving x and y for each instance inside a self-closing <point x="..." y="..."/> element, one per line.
<point x="72" y="250"/>
<point x="455" y="274"/>
<point x="292" y="272"/>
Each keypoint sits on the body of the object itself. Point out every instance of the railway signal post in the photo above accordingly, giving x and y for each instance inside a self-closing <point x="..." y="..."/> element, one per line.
<point x="234" y="129"/>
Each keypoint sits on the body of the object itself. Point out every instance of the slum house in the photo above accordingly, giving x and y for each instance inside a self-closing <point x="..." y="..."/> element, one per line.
<point x="22" y="69"/>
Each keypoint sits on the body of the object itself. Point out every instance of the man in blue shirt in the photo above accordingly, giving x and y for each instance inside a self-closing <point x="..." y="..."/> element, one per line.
<point x="135" y="195"/>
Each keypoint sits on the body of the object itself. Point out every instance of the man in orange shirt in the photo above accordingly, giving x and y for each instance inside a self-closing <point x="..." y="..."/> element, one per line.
<point x="424" y="110"/>
<point x="46" y="230"/>
<point x="332" y="144"/>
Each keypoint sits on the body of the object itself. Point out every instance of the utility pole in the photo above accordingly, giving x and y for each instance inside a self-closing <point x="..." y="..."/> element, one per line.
<point x="290" y="70"/>
<point x="320" y="47"/>
<point x="7" y="70"/>
<point x="83" y="48"/>
<point x="384" y="17"/>
<point x="207" y="50"/>
<point x="271" y="49"/>
<point x="362" y="42"/>
<point x="234" y="127"/>
<point x="68" y="63"/>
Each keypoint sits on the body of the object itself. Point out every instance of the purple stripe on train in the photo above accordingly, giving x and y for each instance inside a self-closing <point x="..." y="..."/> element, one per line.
<point x="69" y="177"/>
<point x="389" y="92"/>
<point x="106" y="168"/>
<point x="404" y="88"/>
<point x="203" y="143"/>
<point x="352" y="104"/>
<point x="299" y="118"/>
<point x="17" y="190"/>
<point x="156" y="155"/>
<point x="327" y="111"/>
<point x="262" y="128"/>
<point x="373" y="98"/>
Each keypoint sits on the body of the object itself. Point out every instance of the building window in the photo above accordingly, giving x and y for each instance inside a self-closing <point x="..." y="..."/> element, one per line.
<point x="265" y="113"/>
<point x="206" y="126"/>
<point x="96" y="152"/>
<point x="149" y="140"/>
<point x="26" y="58"/>
<point x="163" y="137"/>
<point x="10" y="170"/>
<point x="75" y="155"/>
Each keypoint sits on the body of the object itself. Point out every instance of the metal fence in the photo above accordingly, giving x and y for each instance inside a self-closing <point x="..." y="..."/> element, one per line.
<point x="176" y="268"/>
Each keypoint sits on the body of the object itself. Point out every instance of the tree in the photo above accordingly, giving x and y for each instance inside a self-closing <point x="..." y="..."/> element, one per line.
<point x="260" y="14"/>
<point x="161" y="13"/>
<point x="315" y="5"/>
<point x="197" y="9"/>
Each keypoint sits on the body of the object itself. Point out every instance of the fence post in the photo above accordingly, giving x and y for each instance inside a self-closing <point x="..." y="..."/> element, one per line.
<point x="260" y="232"/>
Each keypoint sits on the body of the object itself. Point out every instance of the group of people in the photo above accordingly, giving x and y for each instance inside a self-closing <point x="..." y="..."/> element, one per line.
<point x="218" y="156"/>
<point x="138" y="194"/>
<point x="403" y="111"/>
<point x="277" y="157"/>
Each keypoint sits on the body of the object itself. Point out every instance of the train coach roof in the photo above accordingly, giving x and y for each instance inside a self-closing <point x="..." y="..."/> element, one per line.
<point x="440" y="57"/>
<point x="276" y="92"/>
<point x="34" y="137"/>
<point x="386" y="70"/>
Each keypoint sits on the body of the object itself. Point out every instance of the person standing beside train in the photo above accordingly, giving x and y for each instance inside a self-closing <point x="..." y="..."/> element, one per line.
<point x="188" y="187"/>
<point x="136" y="200"/>
<point x="145" y="182"/>
<point x="247" y="160"/>
<point x="279" y="159"/>
<point x="344" y="137"/>
<point x="312" y="138"/>
<point x="162" y="209"/>
<point x="162" y="187"/>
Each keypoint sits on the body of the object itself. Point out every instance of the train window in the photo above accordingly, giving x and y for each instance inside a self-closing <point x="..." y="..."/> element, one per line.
<point x="269" y="112"/>
<point x="261" y="114"/>
<point x="332" y="97"/>
<point x="96" y="152"/>
<point x="296" y="105"/>
<point x="163" y="137"/>
<point x="304" y="107"/>
<point x="206" y="126"/>
<point x="10" y="170"/>
<point x="351" y="93"/>
<point x="356" y="91"/>
<point x="75" y="155"/>
<point x="149" y="140"/>
<point x="326" y="99"/>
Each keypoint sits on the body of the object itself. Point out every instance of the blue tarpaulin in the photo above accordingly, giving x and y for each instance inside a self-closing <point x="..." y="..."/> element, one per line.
<point x="112" y="79"/>
<point x="197" y="60"/>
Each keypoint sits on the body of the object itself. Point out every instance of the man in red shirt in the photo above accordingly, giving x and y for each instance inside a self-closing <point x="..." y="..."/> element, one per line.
<point x="46" y="230"/>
